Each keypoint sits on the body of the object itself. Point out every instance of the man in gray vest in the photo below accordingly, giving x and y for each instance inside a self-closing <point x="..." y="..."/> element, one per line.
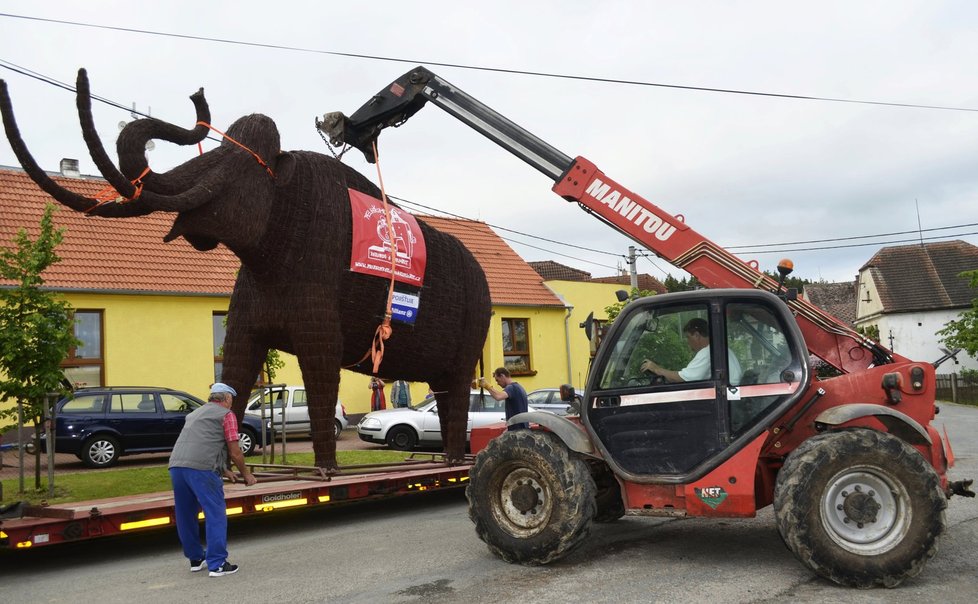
<point x="199" y="459"/>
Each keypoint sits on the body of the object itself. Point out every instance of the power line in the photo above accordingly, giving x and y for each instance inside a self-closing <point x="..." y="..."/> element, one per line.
<point x="741" y="248"/>
<point x="838" y="247"/>
<point x="489" y="69"/>
<point x="943" y="228"/>
<point x="517" y="242"/>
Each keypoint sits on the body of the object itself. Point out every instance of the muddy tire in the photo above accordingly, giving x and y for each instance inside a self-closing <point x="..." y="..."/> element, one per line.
<point x="531" y="500"/>
<point x="860" y="507"/>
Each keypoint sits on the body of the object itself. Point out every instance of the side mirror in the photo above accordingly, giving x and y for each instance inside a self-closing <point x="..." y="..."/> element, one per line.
<point x="588" y="325"/>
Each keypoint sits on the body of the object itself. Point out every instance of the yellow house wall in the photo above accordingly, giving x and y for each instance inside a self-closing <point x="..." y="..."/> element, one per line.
<point x="156" y="340"/>
<point x="548" y="352"/>
<point x="585" y="297"/>
<point x="168" y="341"/>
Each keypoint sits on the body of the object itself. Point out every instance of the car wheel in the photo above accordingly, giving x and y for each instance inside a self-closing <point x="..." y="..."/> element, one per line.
<point x="402" y="438"/>
<point x="859" y="507"/>
<point x="246" y="441"/>
<point x="531" y="499"/>
<point x="338" y="428"/>
<point x="100" y="451"/>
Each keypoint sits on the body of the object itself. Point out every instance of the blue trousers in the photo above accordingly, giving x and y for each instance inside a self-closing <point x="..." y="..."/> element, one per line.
<point x="193" y="491"/>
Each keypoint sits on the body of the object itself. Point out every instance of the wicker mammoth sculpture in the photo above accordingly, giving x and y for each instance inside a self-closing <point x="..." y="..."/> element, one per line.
<point x="287" y="217"/>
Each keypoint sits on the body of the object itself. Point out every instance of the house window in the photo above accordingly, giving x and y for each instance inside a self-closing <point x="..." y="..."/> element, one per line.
<point x="84" y="366"/>
<point x="219" y="321"/>
<point x="516" y="346"/>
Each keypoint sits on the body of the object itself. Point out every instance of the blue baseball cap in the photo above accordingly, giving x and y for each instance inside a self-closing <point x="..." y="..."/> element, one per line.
<point x="219" y="387"/>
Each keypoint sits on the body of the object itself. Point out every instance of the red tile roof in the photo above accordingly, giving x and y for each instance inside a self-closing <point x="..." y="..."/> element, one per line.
<point x="923" y="277"/>
<point x="837" y="299"/>
<point x="511" y="280"/>
<point x="112" y="255"/>
<point x="550" y="271"/>
<point x="128" y="255"/>
<point x="646" y="282"/>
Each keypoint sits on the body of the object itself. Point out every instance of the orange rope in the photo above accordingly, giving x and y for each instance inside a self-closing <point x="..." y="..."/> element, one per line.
<point x="253" y="154"/>
<point x="384" y="329"/>
<point x="109" y="194"/>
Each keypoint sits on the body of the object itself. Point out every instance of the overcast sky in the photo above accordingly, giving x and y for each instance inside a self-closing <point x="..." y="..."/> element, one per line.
<point x="744" y="170"/>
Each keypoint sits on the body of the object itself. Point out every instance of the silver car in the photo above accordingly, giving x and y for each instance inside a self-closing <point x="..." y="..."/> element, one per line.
<point x="406" y="428"/>
<point x="548" y="399"/>
<point x="293" y="400"/>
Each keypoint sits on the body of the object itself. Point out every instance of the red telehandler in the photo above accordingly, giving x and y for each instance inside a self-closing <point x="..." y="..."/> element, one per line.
<point x="854" y="468"/>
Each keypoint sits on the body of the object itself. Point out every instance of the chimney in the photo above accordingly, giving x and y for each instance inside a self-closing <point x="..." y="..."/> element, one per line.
<point x="69" y="168"/>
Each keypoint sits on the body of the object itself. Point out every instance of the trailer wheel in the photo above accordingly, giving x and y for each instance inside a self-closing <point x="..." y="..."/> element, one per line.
<point x="100" y="451"/>
<point x="402" y="438"/>
<point x="531" y="501"/>
<point x="860" y="507"/>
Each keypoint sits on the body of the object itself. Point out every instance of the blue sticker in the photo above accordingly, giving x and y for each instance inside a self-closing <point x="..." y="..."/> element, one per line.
<point x="404" y="308"/>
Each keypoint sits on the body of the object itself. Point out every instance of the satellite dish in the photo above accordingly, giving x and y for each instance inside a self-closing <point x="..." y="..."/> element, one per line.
<point x="150" y="145"/>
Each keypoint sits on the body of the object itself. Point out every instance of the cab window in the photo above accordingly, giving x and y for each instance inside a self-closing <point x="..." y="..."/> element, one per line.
<point x="657" y="334"/>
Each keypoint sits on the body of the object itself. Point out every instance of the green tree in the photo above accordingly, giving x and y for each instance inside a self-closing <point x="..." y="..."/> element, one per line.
<point x="36" y="326"/>
<point x="673" y="285"/>
<point x="613" y="310"/>
<point x="870" y="331"/>
<point x="963" y="331"/>
<point x="273" y="362"/>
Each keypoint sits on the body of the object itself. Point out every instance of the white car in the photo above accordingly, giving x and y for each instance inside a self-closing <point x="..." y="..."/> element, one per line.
<point x="405" y="428"/>
<point x="293" y="400"/>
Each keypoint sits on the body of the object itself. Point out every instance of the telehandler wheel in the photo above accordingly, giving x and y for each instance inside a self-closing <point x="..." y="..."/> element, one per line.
<point x="860" y="507"/>
<point x="531" y="500"/>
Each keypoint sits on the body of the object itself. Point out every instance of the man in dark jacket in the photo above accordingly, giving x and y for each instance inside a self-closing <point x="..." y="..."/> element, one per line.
<point x="512" y="392"/>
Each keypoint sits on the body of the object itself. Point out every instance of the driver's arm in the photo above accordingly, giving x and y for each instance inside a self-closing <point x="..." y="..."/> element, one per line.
<point x="669" y="374"/>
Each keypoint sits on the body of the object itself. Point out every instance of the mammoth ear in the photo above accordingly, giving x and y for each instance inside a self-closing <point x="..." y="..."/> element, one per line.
<point x="284" y="168"/>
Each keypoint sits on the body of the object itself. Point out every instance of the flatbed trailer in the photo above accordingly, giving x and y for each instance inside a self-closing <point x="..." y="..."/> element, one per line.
<point x="279" y="487"/>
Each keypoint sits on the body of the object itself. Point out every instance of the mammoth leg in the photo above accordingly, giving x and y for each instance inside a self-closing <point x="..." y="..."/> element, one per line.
<point x="453" y="413"/>
<point x="243" y="356"/>
<point x="319" y="361"/>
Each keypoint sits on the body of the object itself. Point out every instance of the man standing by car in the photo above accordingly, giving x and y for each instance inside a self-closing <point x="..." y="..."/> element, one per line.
<point x="512" y="392"/>
<point x="199" y="458"/>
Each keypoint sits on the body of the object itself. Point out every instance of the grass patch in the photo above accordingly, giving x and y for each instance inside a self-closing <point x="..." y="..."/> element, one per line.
<point x="82" y="486"/>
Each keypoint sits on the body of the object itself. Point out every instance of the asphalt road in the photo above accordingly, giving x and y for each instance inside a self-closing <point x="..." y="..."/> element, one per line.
<point x="423" y="549"/>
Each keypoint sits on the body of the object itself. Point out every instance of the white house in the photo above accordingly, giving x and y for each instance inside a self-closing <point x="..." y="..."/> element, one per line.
<point x="911" y="291"/>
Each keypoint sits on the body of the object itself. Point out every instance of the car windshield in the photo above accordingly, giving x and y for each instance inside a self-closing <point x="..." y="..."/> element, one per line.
<point x="427" y="400"/>
<point x="273" y="399"/>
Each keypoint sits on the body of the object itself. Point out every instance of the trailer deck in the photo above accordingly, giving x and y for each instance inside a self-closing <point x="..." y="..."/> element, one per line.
<point x="279" y="487"/>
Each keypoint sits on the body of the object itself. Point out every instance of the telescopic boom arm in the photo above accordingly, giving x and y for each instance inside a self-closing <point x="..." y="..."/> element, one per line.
<point x="578" y="180"/>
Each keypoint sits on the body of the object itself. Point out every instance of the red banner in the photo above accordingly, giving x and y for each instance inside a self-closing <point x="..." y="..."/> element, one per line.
<point x="373" y="244"/>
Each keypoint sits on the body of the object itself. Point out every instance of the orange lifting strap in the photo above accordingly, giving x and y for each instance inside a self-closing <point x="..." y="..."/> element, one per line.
<point x="109" y="194"/>
<point x="260" y="161"/>
<point x="376" y="352"/>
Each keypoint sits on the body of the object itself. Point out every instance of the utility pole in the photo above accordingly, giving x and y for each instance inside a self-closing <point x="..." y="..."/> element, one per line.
<point x="631" y="267"/>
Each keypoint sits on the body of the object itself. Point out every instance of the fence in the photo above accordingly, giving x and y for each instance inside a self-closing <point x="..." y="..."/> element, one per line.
<point x="952" y="388"/>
